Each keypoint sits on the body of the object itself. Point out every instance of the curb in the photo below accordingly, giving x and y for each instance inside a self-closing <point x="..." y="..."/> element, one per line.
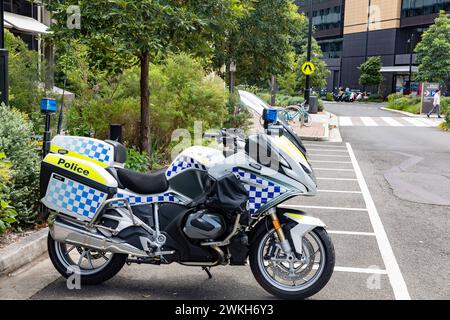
<point x="23" y="252"/>
<point x="409" y="114"/>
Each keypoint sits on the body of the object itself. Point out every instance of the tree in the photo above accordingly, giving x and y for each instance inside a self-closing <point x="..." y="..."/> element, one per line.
<point x="371" y="73"/>
<point x="122" y="33"/>
<point x="263" y="40"/>
<point x="433" y="51"/>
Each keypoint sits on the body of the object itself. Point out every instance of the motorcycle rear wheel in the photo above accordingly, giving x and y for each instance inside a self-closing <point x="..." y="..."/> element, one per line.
<point x="261" y="258"/>
<point x="92" y="271"/>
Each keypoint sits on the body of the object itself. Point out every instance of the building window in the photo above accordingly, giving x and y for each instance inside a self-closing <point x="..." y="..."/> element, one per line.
<point x="331" y="48"/>
<point x="414" y="8"/>
<point x="329" y="18"/>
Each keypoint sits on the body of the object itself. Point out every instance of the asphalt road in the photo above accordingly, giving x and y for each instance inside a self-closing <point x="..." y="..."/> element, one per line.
<point x="378" y="191"/>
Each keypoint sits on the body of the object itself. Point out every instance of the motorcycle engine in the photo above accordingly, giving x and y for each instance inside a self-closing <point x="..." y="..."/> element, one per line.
<point x="203" y="225"/>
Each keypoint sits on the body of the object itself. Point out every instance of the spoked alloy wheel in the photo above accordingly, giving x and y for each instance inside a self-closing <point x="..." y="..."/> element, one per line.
<point x="293" y="276"/>
<point x="93" y="266"/>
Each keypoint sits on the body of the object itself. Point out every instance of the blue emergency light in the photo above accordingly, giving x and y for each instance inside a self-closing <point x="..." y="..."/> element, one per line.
<point x="270" y="115"/>
<point x="48" y="105"/>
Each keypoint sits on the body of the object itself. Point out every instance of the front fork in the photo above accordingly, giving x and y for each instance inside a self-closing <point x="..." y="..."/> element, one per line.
<point x="304" y="225"/>
<point x="285" y="245"/>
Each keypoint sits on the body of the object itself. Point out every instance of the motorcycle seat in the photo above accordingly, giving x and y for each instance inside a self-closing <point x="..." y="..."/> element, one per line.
<point x="144" y="183"/>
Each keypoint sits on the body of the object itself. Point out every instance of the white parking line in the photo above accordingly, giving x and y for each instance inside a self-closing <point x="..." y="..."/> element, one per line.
<point x="356" y="270"/>
<point x="323" y="145"/>
<point x="336" y="179"/>
<point x="360" y="270"/>
<point x="327" y="150"/>
<point x="329" y="161"/>
<point x="393" y="270"/>
<point x="333" y="169"/>
<point x="352" y="233"/>
<point x="327" y="155"/>
<point x="339" y="191"/>
<point x="321" y="208"/>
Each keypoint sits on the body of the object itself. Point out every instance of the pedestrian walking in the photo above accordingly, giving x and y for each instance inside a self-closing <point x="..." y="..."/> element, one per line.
<point x="436" y="104"/>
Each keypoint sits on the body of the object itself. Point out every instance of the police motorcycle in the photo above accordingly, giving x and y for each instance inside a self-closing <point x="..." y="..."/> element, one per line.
<point x="209" y="208"/>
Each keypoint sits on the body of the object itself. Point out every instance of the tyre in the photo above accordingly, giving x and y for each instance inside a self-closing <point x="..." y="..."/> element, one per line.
<point x="295" y="276"/>
<point x="93" y="266"/>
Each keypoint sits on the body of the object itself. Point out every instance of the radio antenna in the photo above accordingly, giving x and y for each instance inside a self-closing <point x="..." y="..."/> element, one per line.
<point x="60" y="118"/>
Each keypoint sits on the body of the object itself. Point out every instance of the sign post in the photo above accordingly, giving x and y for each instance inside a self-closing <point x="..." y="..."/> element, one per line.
<point x="308" y="68"/>
<point x="428" y="91"/>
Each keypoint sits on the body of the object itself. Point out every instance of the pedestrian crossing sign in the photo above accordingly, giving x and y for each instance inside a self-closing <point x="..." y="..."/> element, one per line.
<point x="308" y="68"/>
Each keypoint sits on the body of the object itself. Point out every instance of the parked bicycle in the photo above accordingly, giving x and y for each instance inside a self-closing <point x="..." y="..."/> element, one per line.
<point x="297" y="113"/>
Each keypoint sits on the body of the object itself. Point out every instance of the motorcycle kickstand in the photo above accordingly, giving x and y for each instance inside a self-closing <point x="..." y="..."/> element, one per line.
<point x="207" y="271"/>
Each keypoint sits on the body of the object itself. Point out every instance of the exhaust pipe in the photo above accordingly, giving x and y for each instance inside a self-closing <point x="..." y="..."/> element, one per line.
<point x="79" y="236"/>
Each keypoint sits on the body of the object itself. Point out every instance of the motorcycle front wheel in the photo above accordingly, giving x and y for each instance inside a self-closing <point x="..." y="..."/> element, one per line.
<point x="292" y="276"/>
<point x="93" y="267"/>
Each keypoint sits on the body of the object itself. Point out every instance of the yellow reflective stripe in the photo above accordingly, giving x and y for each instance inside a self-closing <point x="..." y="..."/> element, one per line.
<point x="287" y="146"/>
<point x="70" y="164"/>
<point x="295" y="216"/>
<point x="73" y="154"/>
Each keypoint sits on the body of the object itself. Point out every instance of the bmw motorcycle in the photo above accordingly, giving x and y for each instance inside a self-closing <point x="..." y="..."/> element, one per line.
<point x="209" y="208"/>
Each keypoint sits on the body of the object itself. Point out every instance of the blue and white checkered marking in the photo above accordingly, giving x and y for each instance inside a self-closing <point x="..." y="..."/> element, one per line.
<point x="183" y="163"/>
<point x="135" y="199"/>
<point x="258" y="196"/>
<point x="95" y="149"/>
<point x="73" y="198"/>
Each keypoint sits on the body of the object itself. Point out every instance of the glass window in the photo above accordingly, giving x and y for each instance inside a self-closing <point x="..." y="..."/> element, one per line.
<point x="413" y="8"/>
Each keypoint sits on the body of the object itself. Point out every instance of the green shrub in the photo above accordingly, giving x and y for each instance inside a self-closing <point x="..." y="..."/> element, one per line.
<point x="330" y="96"/>
<point x="25" y="92"/>
<point x="375" y="98"/>
<point x="445" y="103"/>
<point x="180" y="94"/>
<point x="409" y="103"/>
<point x="321" y="106"/>
<point x="137" y="161"/>
<point x="238" y="115"/>
<point x="7" y="213"/>
<point x="15" y="142"/>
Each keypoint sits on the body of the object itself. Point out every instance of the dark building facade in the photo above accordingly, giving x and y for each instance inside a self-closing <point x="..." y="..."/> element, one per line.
<point x="348" y="34"/>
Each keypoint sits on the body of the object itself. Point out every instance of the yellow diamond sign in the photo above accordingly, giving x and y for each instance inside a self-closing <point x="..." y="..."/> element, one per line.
<point x="308" y="68"/>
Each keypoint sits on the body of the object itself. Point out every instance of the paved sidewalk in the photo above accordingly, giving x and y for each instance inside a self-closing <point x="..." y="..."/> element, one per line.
<point x="318" y="130"/>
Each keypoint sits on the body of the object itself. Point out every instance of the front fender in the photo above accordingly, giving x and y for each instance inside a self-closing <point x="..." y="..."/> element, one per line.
<point x="304" y="225"/>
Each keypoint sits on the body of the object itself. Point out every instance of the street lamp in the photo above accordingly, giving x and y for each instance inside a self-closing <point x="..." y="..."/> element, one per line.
<point x="308" y="53"/>
<point x="232" y="71"/>
<point x="410" y="41"/>
<point x="3" y="60"/>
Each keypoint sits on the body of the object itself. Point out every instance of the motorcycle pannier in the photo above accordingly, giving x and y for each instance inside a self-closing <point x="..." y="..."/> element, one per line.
<point x="75" y="187"/>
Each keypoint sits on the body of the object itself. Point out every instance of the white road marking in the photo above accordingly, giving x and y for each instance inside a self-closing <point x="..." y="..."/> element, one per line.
<point x="369" y="122"/>
<point x="333" y="169"/>
<point x="356" y="270"/>
<point x="323" y="145"/>
<point x="360" y="270"/>
<point x="429" y="122"/>
<point x="321" y="208"/>
<point x="330" y="161"/>
<point x="327" y="155"/>
<point x="392" y="122"/>
<point x="352" y="233"/>
<point x="393" y="270"/>
<point x="327" y="150"/>
<point x="339" y="191"/>
<point x="336" y="179"/>
<point x="415" y="122"/>
<point x="345" y="121"/>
